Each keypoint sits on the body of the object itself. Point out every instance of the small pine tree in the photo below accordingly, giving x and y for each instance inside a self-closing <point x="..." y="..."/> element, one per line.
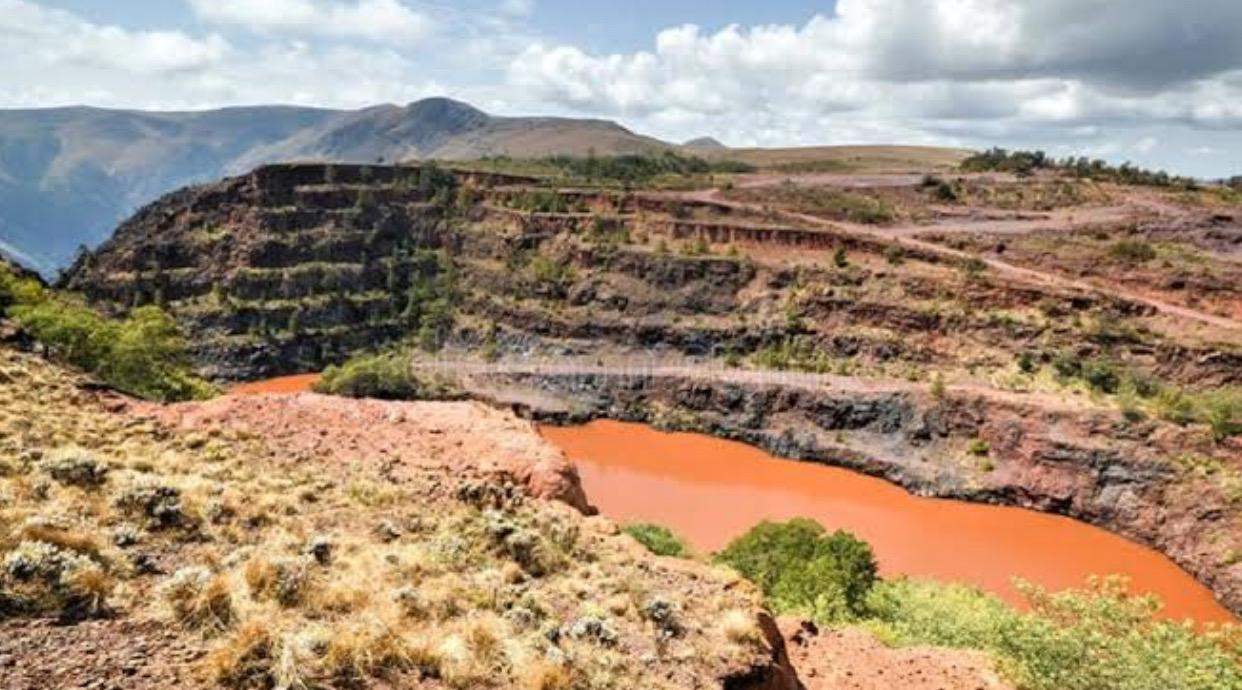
<point x="840" y="259"/>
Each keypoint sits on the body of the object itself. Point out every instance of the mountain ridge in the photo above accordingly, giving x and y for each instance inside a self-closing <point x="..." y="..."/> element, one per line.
<point x="69" y="175"/>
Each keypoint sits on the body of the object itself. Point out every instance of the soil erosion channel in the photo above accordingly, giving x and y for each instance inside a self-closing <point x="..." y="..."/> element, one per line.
<point x="711" y="490"/>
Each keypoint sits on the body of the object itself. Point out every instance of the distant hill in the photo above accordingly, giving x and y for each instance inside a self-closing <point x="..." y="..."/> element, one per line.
<point x="707" y="143"/>
<point x="69" y="175"/>
<point x="849" y="159"/>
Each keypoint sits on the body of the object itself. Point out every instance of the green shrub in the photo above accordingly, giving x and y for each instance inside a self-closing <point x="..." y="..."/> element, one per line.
<point x="1222" y="412"/>
<point x="1067" y="364"/>
<point x="1027" y="162"/>
<point x="1099" y="638"/>
<point x="1101" y="375"/>
<point x="384" y="376"/>
<point x="803" y="569"/>
<point x="974" y="267"/>
<point x="1026" y="363"/>
<point x="547" y="271"/>
<point x="1133" y="251"/>
<point x="794" y="353"/>
<point x="143" y="354"/>
<point x="978" y="448"/>
<point x="658" y="539"/>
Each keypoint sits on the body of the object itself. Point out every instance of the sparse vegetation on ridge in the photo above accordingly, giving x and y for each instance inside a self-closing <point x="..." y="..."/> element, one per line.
<point x="302" y="572"/>
<point x="1028" y="162"/>
<point x="627" y="169"/>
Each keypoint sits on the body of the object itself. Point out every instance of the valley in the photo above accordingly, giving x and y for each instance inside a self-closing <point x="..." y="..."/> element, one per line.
<point x="1045" y="341"/>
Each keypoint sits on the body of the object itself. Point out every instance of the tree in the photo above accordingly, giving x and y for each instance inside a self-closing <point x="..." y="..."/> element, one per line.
<point x="803" y="568"/>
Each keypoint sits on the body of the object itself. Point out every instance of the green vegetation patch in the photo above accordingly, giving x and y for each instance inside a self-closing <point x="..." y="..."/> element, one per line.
<point x="1028" y="162"/>
<point x="658" y="539"/>
<point x="804" y="569"/>
<point x="386" y="376"/>
<point x="1099" y="638"/>
<point x="625" y="169"/>
<point x="143" y="354"/>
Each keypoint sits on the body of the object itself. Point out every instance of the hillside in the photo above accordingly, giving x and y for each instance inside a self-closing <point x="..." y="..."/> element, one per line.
<point x="69" y="175"/>
<point x="854" y="282"/>
<point x="199" y="545"/>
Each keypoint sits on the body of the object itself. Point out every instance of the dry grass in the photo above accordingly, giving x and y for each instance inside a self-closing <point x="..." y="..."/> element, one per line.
<point x="200" y="600"/>
<point x="296" y="575"/>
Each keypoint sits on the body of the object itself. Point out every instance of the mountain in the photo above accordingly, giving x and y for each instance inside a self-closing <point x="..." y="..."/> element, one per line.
<point x="708" y="143"/>
<point x="69" y="175"/>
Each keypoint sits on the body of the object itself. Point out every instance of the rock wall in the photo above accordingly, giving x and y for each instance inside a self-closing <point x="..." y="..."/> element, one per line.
<point x="1090" y="465"/>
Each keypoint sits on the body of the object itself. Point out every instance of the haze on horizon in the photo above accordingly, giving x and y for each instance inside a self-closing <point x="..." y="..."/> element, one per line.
<point x="1149" y="81"/>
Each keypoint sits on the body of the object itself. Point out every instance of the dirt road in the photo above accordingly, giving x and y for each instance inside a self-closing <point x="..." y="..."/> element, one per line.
<point x="907" y="236"/>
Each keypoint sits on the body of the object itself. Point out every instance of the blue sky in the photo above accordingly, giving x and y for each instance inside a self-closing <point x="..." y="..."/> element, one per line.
<point x="607" y="26"/>
<point x="1150" y="81"/>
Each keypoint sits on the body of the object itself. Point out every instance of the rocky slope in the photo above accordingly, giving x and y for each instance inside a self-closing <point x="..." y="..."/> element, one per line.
<point x="1156" y="483"/>
<point x="293" y="267"/>
<point x="187" y="549"/>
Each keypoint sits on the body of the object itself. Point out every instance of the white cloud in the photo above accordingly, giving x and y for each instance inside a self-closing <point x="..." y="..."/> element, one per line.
<point x="53" y="57"/>
<point x="376" y="20"/>
<point x="953" y="67"/>
<point x="1069" y="75"/>
<point x="33" y="34"/>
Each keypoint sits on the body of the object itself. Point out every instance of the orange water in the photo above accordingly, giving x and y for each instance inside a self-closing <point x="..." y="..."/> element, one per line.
<point x="711" y="490"/>
<point x="298" y="383"/>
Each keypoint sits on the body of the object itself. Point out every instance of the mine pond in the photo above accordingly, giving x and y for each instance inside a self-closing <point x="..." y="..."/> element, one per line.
<point x="710" y="490"/>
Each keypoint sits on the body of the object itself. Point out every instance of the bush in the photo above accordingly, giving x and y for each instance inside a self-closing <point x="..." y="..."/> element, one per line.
<point x="803" y="569"/>
<point x="47" y="578"/>
<point x="76" y="467"/>
<point x="658" y="539"/>
<point x="637" y="168"/>
<point x="974" y="267"/>
<point x="143" y="354"/>
<point x="384" y="376"/>
<point x="1133" y="251"/>
<point x="547" y="271"/>
<point x="1101" y="375"/>
<point x="1222" y="412"/>
<point x="200" y="600"/>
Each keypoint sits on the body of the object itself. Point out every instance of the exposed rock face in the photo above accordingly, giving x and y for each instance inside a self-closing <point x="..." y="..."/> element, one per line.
<point x="293" y="267"/>
<point x="1088" y="464"/>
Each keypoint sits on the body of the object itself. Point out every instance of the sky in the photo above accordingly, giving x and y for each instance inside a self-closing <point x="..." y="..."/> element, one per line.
<point x="1155" y="82"/>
